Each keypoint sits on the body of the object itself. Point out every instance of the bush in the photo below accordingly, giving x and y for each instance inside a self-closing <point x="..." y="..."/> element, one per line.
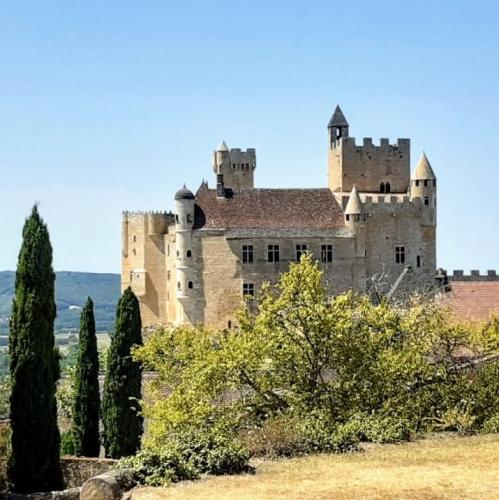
<point x="4" y="455"/>
<point x="186" y="455"/>
<point x="159" y="468"/>
<point x="379" y="428"/>
<point x="291" y="436"/>
<point x="67" y="443"/>
<point x="492" y="424"/>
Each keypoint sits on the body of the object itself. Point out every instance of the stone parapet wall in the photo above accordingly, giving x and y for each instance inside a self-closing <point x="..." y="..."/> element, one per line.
<point x="459" y="275"/>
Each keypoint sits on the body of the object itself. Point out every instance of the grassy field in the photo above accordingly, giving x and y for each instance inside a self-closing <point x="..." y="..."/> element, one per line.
<point x="443" y="468"/>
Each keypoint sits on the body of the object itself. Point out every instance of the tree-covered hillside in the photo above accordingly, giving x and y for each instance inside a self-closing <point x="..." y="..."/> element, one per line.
<point x="72" y="290"/>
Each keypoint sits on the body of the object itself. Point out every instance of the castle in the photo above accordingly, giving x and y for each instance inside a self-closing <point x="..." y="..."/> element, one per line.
<point x="374" y="218"/>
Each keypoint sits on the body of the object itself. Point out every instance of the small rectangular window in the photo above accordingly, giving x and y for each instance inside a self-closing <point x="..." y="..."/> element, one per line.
<point x="247" y="254"/>
<point x="399" y="255"/>
<point x="301" y="248"/>
<point x="248" y="289"/>
<point x="273" y="253"/>
<point x="168" y="275"/>
<point x="418" y="261"/>
<point x="326" y="253"/>
<point x="426" y="200"/>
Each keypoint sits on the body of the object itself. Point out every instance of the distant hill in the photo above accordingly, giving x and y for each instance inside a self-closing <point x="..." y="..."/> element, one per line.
<point x="72" y="290"/>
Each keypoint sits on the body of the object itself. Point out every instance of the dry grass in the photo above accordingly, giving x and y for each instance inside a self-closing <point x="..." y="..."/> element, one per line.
<point x="444" y="468"/>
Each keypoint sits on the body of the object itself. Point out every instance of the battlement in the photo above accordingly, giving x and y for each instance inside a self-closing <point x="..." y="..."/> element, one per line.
<point x="243" y="159"/>
<point x="132" y="213"/>
<point x="367" y="143"/>
<point x="387" y="201"/>
<point x="458" y="275"/>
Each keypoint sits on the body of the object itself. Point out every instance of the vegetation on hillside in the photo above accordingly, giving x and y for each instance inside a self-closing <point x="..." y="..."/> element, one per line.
<point x="34" y="366"/>
<point x="306" y="373"/>
<point x="71" y="289"/>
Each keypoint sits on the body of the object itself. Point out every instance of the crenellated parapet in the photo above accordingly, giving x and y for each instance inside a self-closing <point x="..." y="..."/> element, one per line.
<point x="459" y="275"/>
<point x="369" y="166"/>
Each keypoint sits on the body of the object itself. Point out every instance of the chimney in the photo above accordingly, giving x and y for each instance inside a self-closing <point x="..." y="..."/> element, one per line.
<point x="220" y="186"/>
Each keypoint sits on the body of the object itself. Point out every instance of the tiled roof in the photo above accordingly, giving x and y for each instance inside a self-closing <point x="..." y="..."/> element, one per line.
<point x="474" y="299"/>
<point x="268" y="209"/>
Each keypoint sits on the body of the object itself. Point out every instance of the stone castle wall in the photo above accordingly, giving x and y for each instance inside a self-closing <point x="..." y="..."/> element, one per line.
<point x="368" y="165"/>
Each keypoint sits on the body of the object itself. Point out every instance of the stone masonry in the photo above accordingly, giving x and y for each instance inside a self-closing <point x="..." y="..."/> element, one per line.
<point x="373" y="221"/>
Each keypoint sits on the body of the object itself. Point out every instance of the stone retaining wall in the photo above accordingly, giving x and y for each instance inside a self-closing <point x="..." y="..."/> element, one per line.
<point x="76" y="470"/>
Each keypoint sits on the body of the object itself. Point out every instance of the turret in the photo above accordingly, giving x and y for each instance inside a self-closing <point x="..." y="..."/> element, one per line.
<point x="236" y="166"/>
<point x="184" y="222"/>
<point x="355" y="218"/>
<point x="424" y="186"/>
<point x="354" y="212"/>
<point x="337" y="126"/>
<point x="424" y="183"/>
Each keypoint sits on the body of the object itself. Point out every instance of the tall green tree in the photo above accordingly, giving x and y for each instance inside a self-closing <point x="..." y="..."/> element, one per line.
<point x="87" y="398"/>
<point x="121" y="412"/>
<point x="34" y="366"/>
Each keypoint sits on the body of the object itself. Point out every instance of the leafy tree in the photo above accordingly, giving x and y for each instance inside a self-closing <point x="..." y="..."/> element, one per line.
<point x="121" y="417"/>
<point x="34" y="366"/>
<point x="87" y="397"/>
<point x="330" y="368"/>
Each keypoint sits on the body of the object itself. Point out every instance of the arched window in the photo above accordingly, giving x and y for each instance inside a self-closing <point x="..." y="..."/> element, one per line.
<point x="387" y="187"/>
<point x="189" y="253"/>
<point x="382" y="187"/>
<point x="190" y="285"/>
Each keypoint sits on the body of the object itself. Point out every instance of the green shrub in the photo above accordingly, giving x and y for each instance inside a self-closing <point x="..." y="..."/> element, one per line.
<point x="492" y="424"/>
<point x="209" y="451"/>
<point x="67" y="443"/>
<point x="153" y="468"/>
<point x="458" y="419"/>
<point x="5" y="448"/>
<point x="379" y="428"/>
<point x="186" y="455"/>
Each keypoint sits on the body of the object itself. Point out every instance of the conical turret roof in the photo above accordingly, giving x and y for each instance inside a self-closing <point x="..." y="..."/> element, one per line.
<point x="338" y="119"/>
<point x="354" y="205"/>
<point x="223" y="147"/>
<point x="423" y="169"/>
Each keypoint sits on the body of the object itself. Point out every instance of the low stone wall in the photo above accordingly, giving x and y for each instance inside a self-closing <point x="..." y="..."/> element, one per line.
<point x="77" y="470"/>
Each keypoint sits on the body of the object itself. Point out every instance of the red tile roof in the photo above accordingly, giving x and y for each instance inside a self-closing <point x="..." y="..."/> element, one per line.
<point x="268" y="209"/>
<point x="474" y="299"/>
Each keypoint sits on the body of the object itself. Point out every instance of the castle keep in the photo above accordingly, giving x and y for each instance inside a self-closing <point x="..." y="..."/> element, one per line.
<point x="373" y="220"/>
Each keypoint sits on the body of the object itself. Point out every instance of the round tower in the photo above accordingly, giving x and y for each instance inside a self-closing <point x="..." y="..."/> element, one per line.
<point x="184" y="222"/>
<point x="221" y="159"/>
<point x="423" y="180"/>
<point x="424" y="187"/>
<point x="355" y="219"/>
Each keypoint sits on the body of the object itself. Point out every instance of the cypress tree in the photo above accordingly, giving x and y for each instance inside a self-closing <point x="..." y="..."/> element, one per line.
<point x="87" y="398"/>
<point x="34" y="366"/>
<point x="121" y="419"/>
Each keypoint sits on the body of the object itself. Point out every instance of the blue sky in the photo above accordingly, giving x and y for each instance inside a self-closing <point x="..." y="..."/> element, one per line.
<point x="112" y="105"/>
